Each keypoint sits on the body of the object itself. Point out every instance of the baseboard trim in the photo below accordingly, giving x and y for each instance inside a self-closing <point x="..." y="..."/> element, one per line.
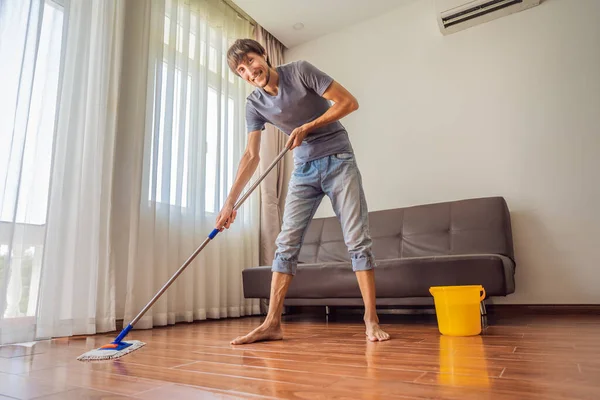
<point x="578" y="309"/>
<point x="593" y="309"/>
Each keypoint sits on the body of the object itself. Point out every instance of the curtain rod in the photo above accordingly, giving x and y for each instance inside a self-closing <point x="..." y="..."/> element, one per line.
<point x="241" y="13"/>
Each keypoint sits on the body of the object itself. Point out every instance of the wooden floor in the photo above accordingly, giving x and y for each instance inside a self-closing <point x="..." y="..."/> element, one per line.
<point x="518" y="357"/>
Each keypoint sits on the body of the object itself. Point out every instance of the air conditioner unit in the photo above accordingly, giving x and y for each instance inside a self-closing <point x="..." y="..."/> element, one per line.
<point x="457" y="15"/>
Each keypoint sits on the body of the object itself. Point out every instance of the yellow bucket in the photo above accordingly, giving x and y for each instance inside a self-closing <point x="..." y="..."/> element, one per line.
<point x="457" y="309"/>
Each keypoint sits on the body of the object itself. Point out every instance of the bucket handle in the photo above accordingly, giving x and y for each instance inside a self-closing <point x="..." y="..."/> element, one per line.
<point x="480" y="299"/>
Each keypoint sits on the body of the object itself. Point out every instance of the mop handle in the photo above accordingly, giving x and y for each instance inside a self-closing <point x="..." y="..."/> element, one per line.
<point x="254" y="185"/>
<point x="198" y="250"/>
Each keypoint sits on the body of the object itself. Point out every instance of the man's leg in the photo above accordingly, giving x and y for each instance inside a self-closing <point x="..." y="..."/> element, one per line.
<point x="303" y="199"/>
<point x="366" y="282"/>
<point x="270" y="329"/>
<point x="343" y="185"/>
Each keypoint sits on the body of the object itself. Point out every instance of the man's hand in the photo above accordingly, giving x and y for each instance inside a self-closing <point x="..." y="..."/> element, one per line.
<point x="297" y="136"/>
<point x="225" y="217"/>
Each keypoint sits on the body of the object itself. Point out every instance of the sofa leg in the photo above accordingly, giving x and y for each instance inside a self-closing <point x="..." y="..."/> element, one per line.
<point x="482" y="309"/>
<point x="264" y="306"/>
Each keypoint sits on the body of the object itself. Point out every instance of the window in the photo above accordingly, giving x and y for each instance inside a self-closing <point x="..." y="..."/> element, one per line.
<point x="27" y="113"/>
<point x="196" y="114"/>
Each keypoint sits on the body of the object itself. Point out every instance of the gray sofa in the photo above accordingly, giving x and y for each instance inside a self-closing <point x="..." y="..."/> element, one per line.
<point x="465" y="242"/>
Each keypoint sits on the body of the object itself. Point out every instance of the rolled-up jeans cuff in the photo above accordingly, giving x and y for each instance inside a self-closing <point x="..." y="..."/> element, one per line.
<point x="284" y="266"/>
<point x="362" y="262"/>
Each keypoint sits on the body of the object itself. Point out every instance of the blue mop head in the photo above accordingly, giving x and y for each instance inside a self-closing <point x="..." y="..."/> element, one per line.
<point x="111" y="351"/>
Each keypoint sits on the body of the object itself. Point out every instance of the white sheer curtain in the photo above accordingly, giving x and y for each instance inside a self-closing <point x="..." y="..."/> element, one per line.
<point x="77" y="284"/>
<point x="30" y="48"/>
<point x="67" y="189"/>
<point x="193" y="137"/>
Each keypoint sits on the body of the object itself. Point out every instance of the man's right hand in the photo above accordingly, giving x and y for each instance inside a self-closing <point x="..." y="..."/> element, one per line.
<point x="225" y="217"/>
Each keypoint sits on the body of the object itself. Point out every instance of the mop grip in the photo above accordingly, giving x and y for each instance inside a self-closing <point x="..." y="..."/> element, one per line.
<point x="213" y="234"/>
<point x="123" y="333"/>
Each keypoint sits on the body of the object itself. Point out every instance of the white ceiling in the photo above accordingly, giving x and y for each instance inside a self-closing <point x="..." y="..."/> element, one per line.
<point x="319" y="17"/>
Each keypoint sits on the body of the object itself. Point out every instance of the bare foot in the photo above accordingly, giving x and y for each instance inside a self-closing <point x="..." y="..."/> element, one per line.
<point x="375" y="333"/>
<point x="259" y="334"/>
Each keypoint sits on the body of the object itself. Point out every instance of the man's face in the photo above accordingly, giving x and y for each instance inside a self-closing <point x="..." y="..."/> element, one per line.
<point x="254" y="69"/>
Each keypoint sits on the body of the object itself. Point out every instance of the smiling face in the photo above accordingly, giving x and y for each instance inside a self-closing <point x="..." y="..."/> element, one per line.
<point x="247" y="58"/>
<point x="254" y="69"/>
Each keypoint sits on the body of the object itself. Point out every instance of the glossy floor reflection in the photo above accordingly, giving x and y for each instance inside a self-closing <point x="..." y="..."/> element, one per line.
<point x="516" y="357"/>
<point x="460" y="370"/>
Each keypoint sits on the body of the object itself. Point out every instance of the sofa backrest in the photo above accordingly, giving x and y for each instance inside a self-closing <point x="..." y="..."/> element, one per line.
<point x="472" y="226"/>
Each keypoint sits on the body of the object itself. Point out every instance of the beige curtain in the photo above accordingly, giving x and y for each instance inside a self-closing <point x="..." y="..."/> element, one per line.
<point x="273" y="188"/>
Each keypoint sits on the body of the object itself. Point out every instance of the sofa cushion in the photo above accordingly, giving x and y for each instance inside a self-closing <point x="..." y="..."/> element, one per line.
<point x="473" y="226"/>
<point x="408" y="277"/>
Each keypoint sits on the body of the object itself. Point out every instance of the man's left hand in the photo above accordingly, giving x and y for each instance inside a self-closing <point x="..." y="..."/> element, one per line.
<point x="297" y="136"/>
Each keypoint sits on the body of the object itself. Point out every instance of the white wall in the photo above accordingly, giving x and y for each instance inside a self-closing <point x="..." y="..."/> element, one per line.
<point x="510" y="108"/>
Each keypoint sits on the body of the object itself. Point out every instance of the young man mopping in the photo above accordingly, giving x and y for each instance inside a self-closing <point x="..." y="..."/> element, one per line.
<point x="295" y="98"/>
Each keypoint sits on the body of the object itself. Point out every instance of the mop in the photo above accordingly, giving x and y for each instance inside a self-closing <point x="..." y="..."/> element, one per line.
<point x="118" y="347"/>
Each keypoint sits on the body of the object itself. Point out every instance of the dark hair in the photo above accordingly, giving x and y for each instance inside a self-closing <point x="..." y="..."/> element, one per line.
<point x="240" y="48"/>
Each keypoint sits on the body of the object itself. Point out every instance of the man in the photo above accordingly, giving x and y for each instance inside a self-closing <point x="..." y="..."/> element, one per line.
<point x="295" y="98"/>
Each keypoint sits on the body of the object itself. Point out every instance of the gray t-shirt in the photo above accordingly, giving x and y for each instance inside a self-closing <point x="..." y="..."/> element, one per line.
<point x="298" y="101"/>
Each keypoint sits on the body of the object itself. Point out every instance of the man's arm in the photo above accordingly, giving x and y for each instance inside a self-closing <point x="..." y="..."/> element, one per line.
<point x="247" y="167"/>
<point x="344" y="104"/>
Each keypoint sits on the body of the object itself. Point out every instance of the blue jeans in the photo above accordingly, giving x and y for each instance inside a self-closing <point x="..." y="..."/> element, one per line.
<point x="338" y="177"/>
